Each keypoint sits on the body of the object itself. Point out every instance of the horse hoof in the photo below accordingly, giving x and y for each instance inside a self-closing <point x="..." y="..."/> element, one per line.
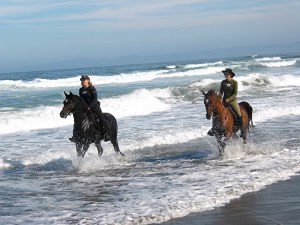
<point x="244" y="142"/>
<point x="100" y="151"/>
<point x="235" y="137"/>
<point x="221" y="150"/>
<point x="119" y="152"/>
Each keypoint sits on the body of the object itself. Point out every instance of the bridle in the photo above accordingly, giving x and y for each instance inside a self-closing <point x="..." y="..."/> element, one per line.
<point x="66" y="109"/>
<point x="71" y="107"/>
<point x="209" y="101"/>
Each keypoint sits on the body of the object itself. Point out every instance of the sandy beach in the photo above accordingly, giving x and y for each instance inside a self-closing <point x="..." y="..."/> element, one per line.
<point x="278" y="203"/>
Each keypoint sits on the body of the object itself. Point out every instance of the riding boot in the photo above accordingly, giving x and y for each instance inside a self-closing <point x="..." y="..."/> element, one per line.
<point x="213" y="130"/>
<point x="104" y="128"/>
<point x="72" y="139"/>
<point x="240" y="125"/>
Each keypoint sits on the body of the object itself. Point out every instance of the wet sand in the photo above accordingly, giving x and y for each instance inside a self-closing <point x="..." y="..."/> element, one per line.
<point x="278" y="203"/>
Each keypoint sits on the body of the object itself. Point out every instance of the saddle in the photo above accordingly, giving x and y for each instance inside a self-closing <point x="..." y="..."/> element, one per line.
<point x="94" y="118"/>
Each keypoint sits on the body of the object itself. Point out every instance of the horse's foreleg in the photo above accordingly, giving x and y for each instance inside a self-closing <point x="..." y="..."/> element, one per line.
<point x="221" y="145"/>
<point x="78" y="149"/>
<point x="85" y="147"/>
<point x="235" y="136"/>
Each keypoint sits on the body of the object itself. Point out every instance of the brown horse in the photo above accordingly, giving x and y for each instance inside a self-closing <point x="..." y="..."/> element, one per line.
<point x="224" y="123"/>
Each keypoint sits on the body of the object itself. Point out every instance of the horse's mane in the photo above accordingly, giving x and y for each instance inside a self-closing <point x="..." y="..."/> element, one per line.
<point x="214" y="95"/>
<point x="80" y="100"/>
<point x="211" y="92"/>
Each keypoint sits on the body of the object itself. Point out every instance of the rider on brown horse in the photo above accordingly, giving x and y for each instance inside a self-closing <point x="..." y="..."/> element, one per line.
<point x="228" y="90"/>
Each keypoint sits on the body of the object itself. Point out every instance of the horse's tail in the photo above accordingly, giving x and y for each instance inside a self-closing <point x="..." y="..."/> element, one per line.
<point x="113" y="124"/>
<point x="249" y="111"/>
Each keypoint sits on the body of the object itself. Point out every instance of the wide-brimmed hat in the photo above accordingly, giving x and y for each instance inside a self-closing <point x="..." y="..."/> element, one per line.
<point x="227" y="70"/>
<point x="84" y="77"/>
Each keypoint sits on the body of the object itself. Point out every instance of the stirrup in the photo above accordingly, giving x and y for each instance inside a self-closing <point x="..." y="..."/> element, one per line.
<point x="211" y="132"/>
<point x="106" y="137"/>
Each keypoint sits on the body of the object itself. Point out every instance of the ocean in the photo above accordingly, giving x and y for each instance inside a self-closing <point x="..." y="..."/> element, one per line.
<point x="172" y="167"/>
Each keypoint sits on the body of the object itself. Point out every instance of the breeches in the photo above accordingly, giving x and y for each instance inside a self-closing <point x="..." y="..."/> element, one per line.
<point x="98" y="111"/>
<point x="236" y="107"/>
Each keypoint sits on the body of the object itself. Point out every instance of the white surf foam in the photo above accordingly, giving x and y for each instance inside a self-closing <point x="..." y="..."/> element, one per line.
<point x="137" y="103"/>
<point x="259" y="79"/>
<point x="254" y="79"/>
<point x="115" y="79"/>
<point x="140" y="102"/>
<point x="276" y="58"/>
<point x="191" y="66"/>
<point x="282" y="63"/>
<point x="163" y="137"/>
<point x="263" y="114"/>
<point x="285" y="80"/>
<point x="3" y="164"/>
<point x="149" y="197"/>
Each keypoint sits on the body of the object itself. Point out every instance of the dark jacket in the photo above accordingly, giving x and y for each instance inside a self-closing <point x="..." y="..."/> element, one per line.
<point x="90" y="96"/>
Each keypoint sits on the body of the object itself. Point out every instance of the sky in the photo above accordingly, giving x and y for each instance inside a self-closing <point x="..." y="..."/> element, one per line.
<point x="41" y="32"/>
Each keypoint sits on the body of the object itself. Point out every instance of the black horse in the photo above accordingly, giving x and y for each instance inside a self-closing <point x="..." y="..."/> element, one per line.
<point x="85" y="130"/>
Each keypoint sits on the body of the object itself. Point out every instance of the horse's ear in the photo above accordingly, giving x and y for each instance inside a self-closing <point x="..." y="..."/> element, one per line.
<point x="71" y="93"/>
<point x="65" y="94"/>
<point x="203" y="92"/>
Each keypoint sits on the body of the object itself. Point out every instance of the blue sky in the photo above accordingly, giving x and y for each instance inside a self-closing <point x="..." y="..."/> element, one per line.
<point x="35" y="32"/>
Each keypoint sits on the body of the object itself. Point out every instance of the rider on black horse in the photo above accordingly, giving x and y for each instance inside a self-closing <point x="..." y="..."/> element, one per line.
<point x="229" y="89"/>
<point x="89" y="94"/>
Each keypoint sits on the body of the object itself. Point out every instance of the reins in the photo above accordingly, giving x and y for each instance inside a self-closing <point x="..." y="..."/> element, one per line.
<point x="85" y="110"/>
<point x="84" y="104"/>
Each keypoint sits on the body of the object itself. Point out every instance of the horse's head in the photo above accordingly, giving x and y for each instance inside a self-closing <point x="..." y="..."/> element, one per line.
<point x="69" y="105"/>
<point x="209" y="102"/>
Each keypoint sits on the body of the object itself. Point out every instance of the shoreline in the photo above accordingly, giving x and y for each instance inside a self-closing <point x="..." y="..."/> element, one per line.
<point x="278" y="203"/>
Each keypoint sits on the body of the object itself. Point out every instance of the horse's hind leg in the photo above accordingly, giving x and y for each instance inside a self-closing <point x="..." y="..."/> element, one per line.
<point x="114" y="142"/>
<point x="99" y="149"/>
<point x="245" y="135"/>
<point x="98" y="146"/>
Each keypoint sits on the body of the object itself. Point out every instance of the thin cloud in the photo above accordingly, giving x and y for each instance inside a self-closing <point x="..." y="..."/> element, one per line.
<point x="129" y="13"/>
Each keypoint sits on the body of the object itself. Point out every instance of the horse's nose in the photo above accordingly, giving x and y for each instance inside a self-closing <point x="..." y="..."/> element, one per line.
<point x="62" y="114"/>
<point x="207" y="116"/>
